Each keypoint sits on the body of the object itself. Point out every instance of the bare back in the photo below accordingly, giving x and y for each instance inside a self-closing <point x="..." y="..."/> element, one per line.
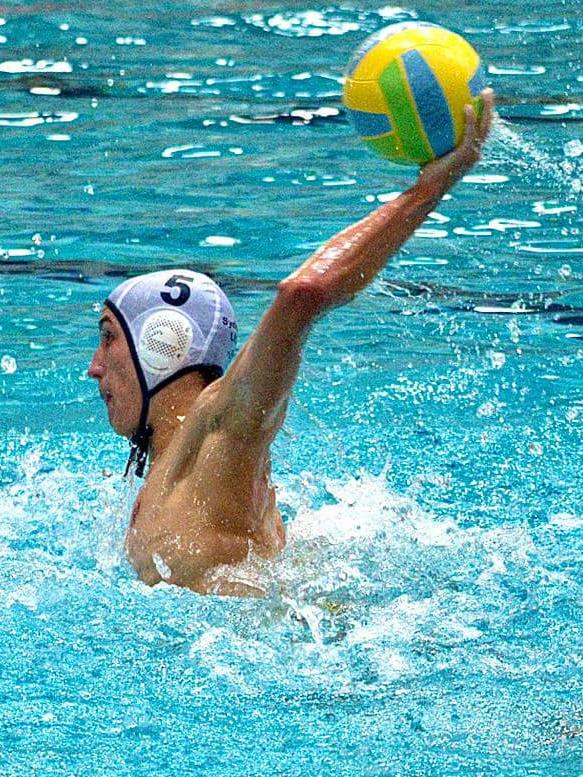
<point x="207" y="502"/>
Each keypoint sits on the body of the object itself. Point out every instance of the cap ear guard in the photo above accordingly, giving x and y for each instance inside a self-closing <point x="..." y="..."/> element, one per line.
<point x="164" y="342"/>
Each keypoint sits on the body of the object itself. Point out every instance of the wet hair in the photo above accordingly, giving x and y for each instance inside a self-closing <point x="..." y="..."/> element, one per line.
<point x="209" y="374"/>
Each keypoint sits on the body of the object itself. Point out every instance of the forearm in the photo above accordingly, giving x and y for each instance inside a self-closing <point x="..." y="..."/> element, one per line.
<point x="352" y="258"/>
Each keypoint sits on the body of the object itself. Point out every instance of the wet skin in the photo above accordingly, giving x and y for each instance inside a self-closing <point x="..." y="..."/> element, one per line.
<point x="207" y="500"/>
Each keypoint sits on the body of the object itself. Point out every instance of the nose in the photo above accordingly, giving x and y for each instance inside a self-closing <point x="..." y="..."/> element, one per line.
<point x="96" y="368"/>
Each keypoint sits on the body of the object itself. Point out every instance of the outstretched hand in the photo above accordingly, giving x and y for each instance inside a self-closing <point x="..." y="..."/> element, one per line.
<point x="444" y="172"/>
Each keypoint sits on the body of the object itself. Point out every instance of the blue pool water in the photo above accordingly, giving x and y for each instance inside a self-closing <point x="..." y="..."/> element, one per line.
<point x="425" y="618"/>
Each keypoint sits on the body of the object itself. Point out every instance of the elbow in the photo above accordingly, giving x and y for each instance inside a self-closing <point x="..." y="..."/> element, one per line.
<point x="304" y="300"/>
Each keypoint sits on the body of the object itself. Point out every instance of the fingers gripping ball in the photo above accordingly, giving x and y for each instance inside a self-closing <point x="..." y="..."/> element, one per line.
<point x="406" y="88"/>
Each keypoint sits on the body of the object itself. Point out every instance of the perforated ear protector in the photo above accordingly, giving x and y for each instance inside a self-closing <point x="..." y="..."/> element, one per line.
<point x="164" y="342"/>
<point x="175" y="321"/>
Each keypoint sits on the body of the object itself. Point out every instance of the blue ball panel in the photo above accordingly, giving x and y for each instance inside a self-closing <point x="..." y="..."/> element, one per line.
<point x="370" y="125"/>
<point x="477" y="82"/>
<point x="431" y="103"/>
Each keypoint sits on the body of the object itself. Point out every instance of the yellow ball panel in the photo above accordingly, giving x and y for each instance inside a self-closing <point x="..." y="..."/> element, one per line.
<point x="387" y="49"/>
<point x="364" y="96"/>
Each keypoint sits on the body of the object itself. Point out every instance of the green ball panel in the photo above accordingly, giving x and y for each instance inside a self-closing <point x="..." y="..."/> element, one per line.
<point x="478" y="105"/>
<point x="404" y="115"/>
<point x="386" y="146"/>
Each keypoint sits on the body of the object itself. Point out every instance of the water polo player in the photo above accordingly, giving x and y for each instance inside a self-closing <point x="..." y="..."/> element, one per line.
<point x="204" y="431"/>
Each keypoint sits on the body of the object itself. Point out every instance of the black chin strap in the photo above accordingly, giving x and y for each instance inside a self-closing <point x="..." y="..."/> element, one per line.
<point x="140" y="442"/>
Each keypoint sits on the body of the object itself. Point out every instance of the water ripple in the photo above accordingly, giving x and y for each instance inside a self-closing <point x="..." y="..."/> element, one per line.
<point x="310" y="23"/>
<point x="530" y="70"/>
<point x="503" y="225"/>
<point x="30" y="66"/>
<point x="485" y="178"/>
<point x="551" y="247"/>
<point x="33" y="119"/>
<point x="537" y="28"/>
<point x="313" y="86"/>
<point x="214" y="21"/>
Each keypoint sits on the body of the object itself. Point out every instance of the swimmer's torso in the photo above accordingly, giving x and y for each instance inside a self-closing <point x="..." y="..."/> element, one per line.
<point x="207" y="502"/>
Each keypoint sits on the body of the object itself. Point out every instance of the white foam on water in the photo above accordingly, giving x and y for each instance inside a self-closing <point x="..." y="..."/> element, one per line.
<point x="370" y="591"/>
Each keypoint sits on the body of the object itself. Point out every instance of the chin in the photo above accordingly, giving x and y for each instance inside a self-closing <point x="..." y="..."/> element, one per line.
<point x="124" y="432"/>
<point x="124" y="429"/>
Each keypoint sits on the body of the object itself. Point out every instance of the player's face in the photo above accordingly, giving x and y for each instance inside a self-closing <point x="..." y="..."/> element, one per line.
<point x="113" y="368"/>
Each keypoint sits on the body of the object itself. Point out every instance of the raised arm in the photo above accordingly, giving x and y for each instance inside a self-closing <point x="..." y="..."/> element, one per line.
<point x="257" y="385"/>
<point x="350" y="260"/>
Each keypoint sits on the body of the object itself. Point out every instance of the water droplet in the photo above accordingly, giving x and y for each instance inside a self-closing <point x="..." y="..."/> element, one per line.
<point x="489" y="408"/>
<point x="573" y="149"/>
<point x="514" y="330"/>
<point x="497" y="359"/>
<point x="8" y="364"/>
<point x="162" y="567"/>
<point x="535" y="448"/>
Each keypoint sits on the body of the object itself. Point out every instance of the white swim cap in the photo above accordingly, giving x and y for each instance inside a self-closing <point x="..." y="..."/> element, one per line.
<point x="175" y="321"/>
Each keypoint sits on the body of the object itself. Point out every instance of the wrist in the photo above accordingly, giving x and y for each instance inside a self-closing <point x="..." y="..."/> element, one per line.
<point x="431" y="188"/>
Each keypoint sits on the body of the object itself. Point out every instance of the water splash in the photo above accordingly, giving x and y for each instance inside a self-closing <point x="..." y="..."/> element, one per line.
<point x="374" y="597"/>
<point x="523" y="154"/>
